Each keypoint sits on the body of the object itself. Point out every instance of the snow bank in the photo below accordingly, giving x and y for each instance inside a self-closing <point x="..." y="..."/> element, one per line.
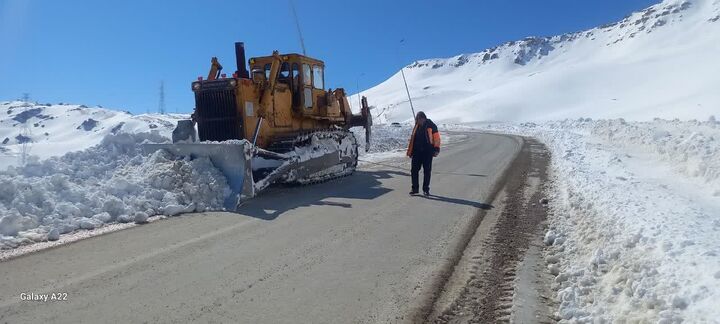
<point x="110" y="182"/>
<point x="384" y="138"/>
<point x="692" y="148"/>
<point x="635" y="219"/>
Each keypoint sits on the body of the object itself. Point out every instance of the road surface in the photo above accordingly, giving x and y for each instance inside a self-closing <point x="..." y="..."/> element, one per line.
<point x="353" y="250"/>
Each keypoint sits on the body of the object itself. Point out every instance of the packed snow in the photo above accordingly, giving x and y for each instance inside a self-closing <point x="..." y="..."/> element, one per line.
<point x="107" y="183"/>
<point x="635" y="218"/>
<point x="386" y="142"/>
<point x="84" y="170"/>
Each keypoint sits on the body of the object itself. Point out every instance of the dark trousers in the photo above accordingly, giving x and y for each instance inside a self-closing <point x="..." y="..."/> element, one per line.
<point x="424" y="160"/>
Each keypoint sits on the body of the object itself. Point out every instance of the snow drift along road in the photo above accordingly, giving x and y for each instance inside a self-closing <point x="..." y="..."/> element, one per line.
<point x="634" y="218"/>
<point x="110" y="182"/>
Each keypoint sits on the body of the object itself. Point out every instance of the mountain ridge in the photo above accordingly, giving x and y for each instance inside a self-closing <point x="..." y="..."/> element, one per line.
<point x="639" y="38"/>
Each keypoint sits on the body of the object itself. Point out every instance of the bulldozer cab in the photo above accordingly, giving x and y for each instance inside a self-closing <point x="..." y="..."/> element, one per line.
<point x="302" y="76"/>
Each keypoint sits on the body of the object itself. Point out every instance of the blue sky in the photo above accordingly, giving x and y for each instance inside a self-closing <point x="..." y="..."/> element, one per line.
<point x="115" y="53"/>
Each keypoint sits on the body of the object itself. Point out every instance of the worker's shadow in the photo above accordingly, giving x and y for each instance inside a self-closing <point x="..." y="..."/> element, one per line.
<point x="458" y="201"/>
<point x="277" y="200"/>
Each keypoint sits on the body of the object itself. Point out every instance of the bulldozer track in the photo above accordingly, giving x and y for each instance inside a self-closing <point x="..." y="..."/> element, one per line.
<point x="290" y="143"/>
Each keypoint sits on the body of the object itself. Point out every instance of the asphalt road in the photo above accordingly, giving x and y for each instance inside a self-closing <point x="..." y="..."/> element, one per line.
<point x="352" y="250"/>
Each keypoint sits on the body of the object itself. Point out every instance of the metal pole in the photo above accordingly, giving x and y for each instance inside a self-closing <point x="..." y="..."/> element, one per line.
<point x="402" y="71"/>
<point x="297" y="24"/>
<point x="257" y="131"/>
<point x="358" y="94"/>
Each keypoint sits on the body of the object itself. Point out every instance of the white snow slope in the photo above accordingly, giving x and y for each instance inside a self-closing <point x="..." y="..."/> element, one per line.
<point x="54" y="130"/>
<point x="659" y="62"/>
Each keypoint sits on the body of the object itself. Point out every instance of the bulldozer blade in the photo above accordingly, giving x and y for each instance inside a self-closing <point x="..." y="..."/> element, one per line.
<point x="233" y="159"/>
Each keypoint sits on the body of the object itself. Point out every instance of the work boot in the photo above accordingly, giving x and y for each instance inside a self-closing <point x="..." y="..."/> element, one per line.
<point x="413" y="192"/>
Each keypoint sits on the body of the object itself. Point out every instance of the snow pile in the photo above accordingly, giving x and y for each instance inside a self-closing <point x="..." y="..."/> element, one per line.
<point x="110" y="182"/>
<point x="634" y="220"/>
<point x="384" y="138"/>
<point x="662" y="60"/>
<point x="692" y="148"/>
<point x="53" y="130"/>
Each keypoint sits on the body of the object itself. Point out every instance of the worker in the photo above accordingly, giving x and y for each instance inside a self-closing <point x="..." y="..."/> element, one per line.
<point x="424" y="145"/>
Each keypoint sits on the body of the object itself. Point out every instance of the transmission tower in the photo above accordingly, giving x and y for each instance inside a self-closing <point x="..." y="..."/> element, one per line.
<point x="25" y="132"/>
<point x="161" y="108"/>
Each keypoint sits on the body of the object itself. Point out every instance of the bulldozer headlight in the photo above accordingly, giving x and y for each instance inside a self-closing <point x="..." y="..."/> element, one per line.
<point x="233" y="83"/>
<point x="196" y="85"/>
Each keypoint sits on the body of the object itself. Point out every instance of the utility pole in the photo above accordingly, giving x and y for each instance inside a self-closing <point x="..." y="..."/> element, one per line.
<point x="161" y="108"/>
<point x="402" y="71"/>
<point x="25" y="133"/>
<point x="358" y="91"/>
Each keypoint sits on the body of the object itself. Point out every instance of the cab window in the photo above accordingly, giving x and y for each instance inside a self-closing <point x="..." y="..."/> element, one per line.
<point x="307" y="75"/>
<point x="257" y="73"/>
<point x="268" y="67"/>
<point x="295" y="75"/>
<point x="318" y="80"/>
<point x="284" y="73"/>
<point x="307" y="95"/>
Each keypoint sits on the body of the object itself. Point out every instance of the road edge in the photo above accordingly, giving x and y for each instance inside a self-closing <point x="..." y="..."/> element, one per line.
<point x="432" y="291"/>
<point x="501" y="276"/>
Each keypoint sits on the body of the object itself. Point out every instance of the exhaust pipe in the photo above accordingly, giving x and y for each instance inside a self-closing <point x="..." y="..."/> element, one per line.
<point x="242" y="70"/>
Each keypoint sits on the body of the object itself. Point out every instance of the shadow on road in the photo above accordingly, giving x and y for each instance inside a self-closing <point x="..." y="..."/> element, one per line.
<point x="278" y="200"/>
<point x="458" y="201"/>
<point x="434" y="172"/>
<point x="460" y="174"/>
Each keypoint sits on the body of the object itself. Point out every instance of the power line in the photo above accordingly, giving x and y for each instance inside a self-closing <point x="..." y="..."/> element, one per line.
<point x="297" y="24"/>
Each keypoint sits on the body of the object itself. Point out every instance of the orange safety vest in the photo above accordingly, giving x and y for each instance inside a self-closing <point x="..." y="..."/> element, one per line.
<point x="433" y="137"/>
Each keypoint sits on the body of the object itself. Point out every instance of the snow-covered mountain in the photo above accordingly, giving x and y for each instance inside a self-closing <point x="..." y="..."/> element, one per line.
<point x="54" y="130"/>
<point x="658" y="62"/>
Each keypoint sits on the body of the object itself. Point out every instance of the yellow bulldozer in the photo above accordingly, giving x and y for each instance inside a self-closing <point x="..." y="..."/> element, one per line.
<point x="273" y="123"/>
